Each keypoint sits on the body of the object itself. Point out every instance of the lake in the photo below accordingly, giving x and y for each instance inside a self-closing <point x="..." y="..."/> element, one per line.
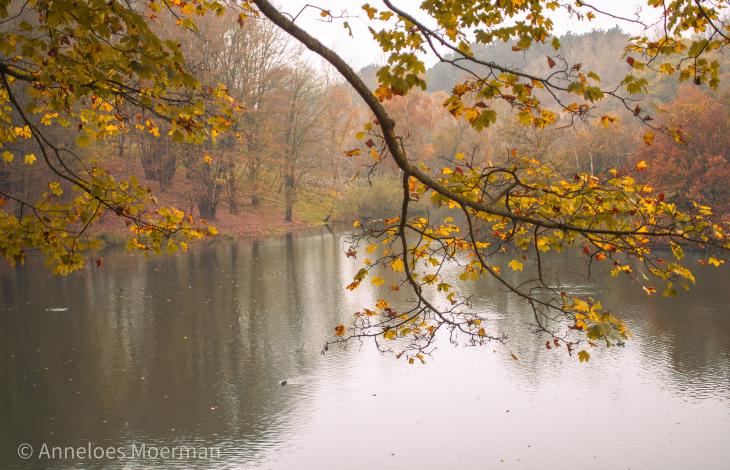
<point x="190" y="351"/>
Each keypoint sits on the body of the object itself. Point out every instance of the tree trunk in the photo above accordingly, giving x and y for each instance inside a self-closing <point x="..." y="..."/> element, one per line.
<point x="232" y="194"/>
<point x="121" y="144"/>
<point x="166" y="171"/>
<point x="289" y="196"/>
<point x="207" y="207"/>
<point x="233" y="205"/>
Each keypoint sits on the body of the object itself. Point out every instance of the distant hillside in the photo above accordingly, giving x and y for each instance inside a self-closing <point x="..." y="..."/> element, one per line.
<point x="599" y="51"/>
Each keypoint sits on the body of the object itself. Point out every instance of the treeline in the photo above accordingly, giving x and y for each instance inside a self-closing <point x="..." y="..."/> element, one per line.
<point x="293" y="124"/>
<point x="297" y="123"/>
<point x="693" y="166"/>
<point x="287" y="139"/>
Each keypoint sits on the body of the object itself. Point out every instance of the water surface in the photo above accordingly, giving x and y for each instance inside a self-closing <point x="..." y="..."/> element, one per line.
<point x="190" y="350"/>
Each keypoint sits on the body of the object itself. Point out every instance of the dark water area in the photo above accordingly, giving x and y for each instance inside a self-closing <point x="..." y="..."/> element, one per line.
<point x="190" y="351"/>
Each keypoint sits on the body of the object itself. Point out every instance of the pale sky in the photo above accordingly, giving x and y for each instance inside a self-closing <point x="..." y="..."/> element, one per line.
<point x="361" y="50"/>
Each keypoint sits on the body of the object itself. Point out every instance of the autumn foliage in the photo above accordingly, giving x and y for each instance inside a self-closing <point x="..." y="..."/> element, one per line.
<point x="697" y="166"/>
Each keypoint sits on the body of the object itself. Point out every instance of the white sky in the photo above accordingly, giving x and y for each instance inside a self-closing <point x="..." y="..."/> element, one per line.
<point x="361" y="50"/>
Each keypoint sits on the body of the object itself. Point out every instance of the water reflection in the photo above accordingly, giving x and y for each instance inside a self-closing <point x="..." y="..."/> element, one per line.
<point x="191" y="350"/>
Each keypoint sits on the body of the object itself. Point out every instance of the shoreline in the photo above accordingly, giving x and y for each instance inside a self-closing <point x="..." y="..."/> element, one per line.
<point x="266" y="220"/>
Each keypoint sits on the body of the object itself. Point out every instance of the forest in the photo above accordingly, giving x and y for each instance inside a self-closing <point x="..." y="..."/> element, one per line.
<point x="290" y="160"/>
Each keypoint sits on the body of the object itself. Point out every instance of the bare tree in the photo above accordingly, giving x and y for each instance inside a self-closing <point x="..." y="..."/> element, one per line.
<point x="301" y="131"/>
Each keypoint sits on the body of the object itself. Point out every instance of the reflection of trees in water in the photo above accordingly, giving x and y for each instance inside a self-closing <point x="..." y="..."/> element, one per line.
<point x="691" y="332"/>
<point x="168" y="350"/>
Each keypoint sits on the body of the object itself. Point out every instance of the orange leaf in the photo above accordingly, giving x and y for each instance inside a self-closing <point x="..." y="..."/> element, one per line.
<point x="649" y="138"/>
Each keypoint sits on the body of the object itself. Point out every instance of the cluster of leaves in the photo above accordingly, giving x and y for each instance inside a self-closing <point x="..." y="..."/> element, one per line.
<point x="675" y="54"/>
<point x="96" y="68"/>
<point x="56" y="224"/>
<point x="505" y="222"/>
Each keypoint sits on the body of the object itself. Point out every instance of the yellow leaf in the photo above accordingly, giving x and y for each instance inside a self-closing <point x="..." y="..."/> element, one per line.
<point x="581" y="306"/>
<point x="649" y="138"/>
<point x="356" y="224"/>
<point x="30" y="159"/>
<point x="212" y="230"/>
<point x="516" y="265"/>
<point x="377" y="281"/>
<point x="390" y="334"/>
<point x="430" y="278"/>
<point x="583" y="356"/>
<point x="22" y="132"/>
<point x="641" y="166"/>
<point x="382" y="303"/>
<point x="383" y="93"/>
<point x="7" y="156"/>
<point x="397" y="265"/>
<point x="55" y="188"/>
<point x="607" y="120"/>
<point x="482" y="332"/>
<point x="188" y="8"/>
<point x="47" y="118"/>
<point x="715" y="262"/>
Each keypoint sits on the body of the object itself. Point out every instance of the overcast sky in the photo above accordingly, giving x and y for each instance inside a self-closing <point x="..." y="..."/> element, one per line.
<point x="361" y="50"/>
